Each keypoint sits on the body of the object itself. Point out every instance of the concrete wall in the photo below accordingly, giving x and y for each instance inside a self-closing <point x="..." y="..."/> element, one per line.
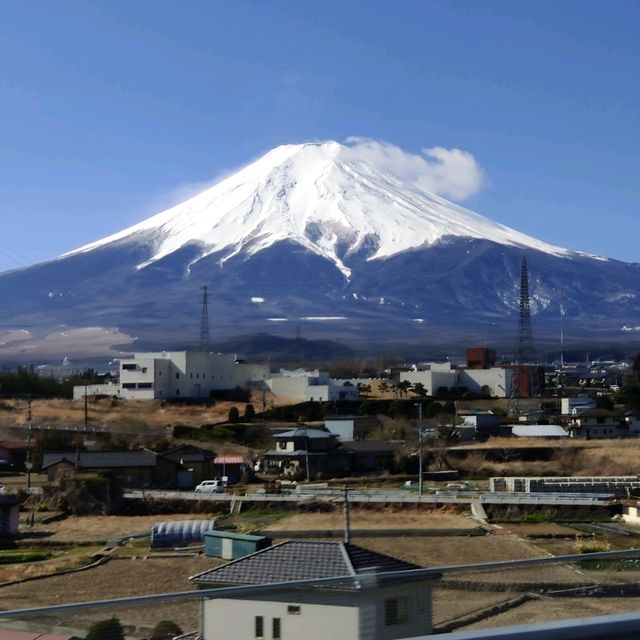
<point x="323" y="614"/>
<point x="497" y="379"/>
<point x="108" y="389"/>
<point x="226" y="618"/>
<point x="344" y="428"/>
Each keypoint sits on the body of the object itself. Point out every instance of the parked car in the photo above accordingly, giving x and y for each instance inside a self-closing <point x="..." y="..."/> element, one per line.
<point x="210" y="486"/>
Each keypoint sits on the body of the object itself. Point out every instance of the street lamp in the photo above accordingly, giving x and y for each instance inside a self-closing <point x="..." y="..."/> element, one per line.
<point x="420" y="483"/>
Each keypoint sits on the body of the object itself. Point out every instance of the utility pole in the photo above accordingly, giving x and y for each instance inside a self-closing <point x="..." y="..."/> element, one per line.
<point x="420" y="452"/>
<point x="347" y="522"/>
<point x="306" y="455"/>
<point x="29" y="463"/>
<point x="86" y="406"/>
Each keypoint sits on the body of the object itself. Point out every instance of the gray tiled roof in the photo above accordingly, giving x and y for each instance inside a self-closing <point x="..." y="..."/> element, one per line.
<point x="368" y="446"/>
<point x="301" y="560"/>
<point x="305" y="432"/>
<point x="103" y="459"/>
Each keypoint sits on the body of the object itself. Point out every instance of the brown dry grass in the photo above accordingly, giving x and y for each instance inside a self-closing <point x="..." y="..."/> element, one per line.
<point x="117" y="578"/>
<point x="123" y="415"/>
<point x="388" y="518"/>
<point x="549" y="609"/>
<point x="574" y="458"/>
<point x="99" y="528"/>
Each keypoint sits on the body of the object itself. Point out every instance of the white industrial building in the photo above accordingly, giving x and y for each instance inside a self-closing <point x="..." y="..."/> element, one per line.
<point x="300" y="385"/>
<point x="433" y="375"/>
<point x="185" y="374"/>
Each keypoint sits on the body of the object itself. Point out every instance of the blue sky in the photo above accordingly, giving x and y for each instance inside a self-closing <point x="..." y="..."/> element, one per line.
<point x="110" y="110"/>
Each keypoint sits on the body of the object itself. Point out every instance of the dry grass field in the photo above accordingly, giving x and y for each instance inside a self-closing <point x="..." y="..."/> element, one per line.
<point x="133" y="573"/>
<point x="570" y="458"/>
<point x="120" y="415"/>
<point x="387" y="518"/>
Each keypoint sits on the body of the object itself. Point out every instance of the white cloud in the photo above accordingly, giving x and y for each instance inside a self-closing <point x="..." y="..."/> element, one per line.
<point x="451" y="173"/>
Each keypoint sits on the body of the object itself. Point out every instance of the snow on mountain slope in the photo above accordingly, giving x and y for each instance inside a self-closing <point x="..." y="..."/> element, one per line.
<point x="328" y="197"/>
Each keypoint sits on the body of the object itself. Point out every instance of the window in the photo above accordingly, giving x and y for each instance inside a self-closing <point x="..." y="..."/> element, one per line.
<point x="144" y="369"/>
<point x="145" y="385"/>
<point x="259" y="627"/>
<point x="191" y="375"/>
<point x="276" y="629"/>
<point x="177" y="375"/>
<point x="129" y="367"/>
<point x="293" y="609"/>
<point x="396" y="611"/>
<point x="128" y="385"/>
<point x="177" y="392"/>
<point x="197" y="376"/>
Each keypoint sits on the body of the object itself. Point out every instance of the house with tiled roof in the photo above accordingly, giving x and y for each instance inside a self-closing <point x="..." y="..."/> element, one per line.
<point x="598" y="423"/>
<point x="366" y="605"/>
<point x="136" y="468"/>
<point x="195" y="464"/>
<point x="310" y="452"/>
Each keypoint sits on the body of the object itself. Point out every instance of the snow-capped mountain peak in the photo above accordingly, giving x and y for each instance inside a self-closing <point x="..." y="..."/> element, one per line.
<point x="331" y="198"/>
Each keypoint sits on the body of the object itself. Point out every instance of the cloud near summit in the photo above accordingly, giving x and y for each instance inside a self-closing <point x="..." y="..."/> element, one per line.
<point x="451" y="173"/>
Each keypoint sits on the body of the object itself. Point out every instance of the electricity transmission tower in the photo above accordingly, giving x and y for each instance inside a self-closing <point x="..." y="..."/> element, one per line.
<point x="524" y="378"/>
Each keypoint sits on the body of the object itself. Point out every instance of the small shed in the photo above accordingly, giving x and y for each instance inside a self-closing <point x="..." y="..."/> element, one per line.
<point x="229" y="467"/>
<point x="180" y="533"/>
<point x="231" y="546"/>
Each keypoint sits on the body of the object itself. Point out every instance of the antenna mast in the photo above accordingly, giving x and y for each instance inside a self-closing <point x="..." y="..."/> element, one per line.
<point x="205" y="344"/>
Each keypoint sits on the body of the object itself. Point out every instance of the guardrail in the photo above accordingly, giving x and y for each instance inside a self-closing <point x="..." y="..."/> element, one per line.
<point x="399" y="497"/>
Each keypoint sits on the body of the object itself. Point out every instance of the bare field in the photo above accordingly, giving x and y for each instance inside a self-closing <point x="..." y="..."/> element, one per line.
<point x="548" y="609"/>
<point x="115" y="579"/>
<point x="121" y="415"/>
<point x="98" y="528"/>
<point x="121" y="577"/>
<point x="388" y="518"/>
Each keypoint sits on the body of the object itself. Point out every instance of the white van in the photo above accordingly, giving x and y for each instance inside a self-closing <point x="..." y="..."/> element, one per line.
<point x="210" y="486"/>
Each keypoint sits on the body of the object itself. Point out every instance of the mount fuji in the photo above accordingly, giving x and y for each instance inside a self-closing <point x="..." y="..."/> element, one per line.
<point x="330" y="237"/>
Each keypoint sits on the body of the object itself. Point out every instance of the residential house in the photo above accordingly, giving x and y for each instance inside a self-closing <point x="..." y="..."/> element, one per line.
<point x="304" y="452"/>
<point x="140" y="468"/>
<point x="598" y="423"/>
<point x="195" y="465"/>
<point x="367" y="607"/>
<point x="370" y="456"/>
<point x="307" y="452"/>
